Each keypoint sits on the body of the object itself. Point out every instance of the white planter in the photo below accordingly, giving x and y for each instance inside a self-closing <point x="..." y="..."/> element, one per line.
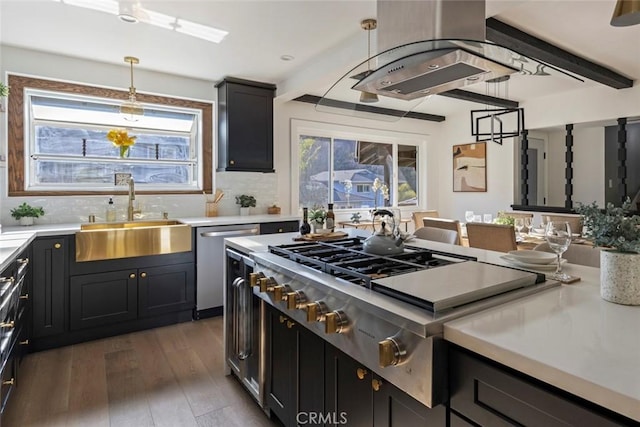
<point x="620" y="277"/>
<point x="26" y="220"/>
<point x="244" y="211"/>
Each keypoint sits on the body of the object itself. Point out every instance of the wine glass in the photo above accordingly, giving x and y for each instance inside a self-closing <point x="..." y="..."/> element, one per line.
<point x="558" y="235"/>
<point x="518" y="223"/>
<point x="528" y="223"/>
<point x="487" y="218"/>
<point x="468" y="216"/>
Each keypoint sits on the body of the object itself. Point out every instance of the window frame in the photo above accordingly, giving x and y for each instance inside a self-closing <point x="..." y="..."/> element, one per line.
<point x="335" y="131"/>
<point x="17" y="135"/>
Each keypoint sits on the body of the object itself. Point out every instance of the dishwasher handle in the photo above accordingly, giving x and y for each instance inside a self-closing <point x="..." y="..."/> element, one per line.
<point x="230" y="233"/>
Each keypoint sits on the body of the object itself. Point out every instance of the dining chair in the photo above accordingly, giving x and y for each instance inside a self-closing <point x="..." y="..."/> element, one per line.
<point x="494" y="237"/>
<point x="444" y="223"/>
<point x="576" y="254"/>
<point x="437" y="235"/>
<point x="575" y="221"/>
<point x="515" y="215"/>
<point x="417" y="217"/>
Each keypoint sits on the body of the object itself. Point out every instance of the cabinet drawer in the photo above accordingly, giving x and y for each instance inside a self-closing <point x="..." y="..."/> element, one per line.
<point x="491" y="396"/>
<point x="279" y="227"/>
<point x="8" y="379"/>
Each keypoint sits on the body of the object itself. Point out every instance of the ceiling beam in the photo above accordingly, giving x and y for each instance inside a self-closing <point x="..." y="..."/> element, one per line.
<point x="533" y="47"/>
<point x="312" y="99"/>
<point x="465" y="95"/>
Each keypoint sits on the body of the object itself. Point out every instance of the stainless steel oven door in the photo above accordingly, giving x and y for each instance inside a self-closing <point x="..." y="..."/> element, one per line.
<point x="243" y="325"/>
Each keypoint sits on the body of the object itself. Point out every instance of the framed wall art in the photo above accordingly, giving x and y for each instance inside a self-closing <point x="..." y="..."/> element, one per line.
<point x="470" y="167"/>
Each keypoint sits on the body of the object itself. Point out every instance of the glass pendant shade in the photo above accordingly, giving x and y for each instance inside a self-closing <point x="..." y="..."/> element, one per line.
<point x="131" y="109"/>
<point x="626" y="13"/>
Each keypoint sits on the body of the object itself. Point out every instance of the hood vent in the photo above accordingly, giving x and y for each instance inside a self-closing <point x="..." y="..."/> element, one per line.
<point x="431" y="72"/>
<point x="415" y="75"/>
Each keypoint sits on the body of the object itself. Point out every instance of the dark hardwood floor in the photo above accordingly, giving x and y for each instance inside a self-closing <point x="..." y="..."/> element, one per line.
<point x="171" y="376"/>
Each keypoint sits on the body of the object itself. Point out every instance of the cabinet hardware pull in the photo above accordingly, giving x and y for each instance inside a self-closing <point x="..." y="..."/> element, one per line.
<point x="280" y="230"/>
<point x="132" y="276"/>
<point x="290" y="324"/>
<point x="57" y="246"/>
<point x="11" y="324"/>
<point x="10" y="382"/>
<point x="143" y="275"/>
<point x="232" y="162"/>
<point x="283" y="319"/>
<point x="376" y="384"/>
<point x="23" y="260"/>
<point x="25" y="342"/>
<point x="361" y="373"/>
<point x="25" y="296"/>
<point x="6" y="279"/>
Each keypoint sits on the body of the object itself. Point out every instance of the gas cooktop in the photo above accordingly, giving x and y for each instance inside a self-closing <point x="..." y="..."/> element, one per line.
<point x="426" y="278"/>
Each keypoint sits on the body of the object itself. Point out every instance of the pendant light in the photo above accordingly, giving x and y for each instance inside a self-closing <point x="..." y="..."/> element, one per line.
<point x="626" y="13"/>
<point x="131" y="109"/>
<point x="368" y="25"/>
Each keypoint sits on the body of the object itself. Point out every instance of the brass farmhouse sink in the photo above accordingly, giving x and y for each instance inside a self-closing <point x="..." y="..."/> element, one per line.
<point x="110" y="240"/>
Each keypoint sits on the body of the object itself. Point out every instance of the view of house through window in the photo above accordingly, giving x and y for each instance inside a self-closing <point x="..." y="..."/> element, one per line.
<point x="68" y="145"/>
<point x="354" y="174"/>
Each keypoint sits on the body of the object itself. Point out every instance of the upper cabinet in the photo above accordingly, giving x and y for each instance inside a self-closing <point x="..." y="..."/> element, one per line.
<point x="245" y="125"/>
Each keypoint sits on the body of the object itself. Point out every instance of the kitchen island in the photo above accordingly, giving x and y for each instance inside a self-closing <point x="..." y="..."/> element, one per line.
<point x="567" y="336"/>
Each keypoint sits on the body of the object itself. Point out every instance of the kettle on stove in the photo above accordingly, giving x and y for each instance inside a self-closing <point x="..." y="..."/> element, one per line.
<point x="383" y="241"/>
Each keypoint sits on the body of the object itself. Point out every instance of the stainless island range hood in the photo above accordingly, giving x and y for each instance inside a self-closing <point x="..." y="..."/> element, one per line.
<point x="448" y="65"/>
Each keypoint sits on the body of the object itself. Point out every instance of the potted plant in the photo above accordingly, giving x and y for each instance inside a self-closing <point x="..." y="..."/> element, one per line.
<point x="4" y="90"/>
<point x="246" y="202"/>
<point x="316" y="219"/>
<point x="25" y="213"/>
<point x="619" y="234"/>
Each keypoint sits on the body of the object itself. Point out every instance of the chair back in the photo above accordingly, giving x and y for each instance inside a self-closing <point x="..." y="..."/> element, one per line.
<point x="575" y="221"/>
<point x="417" y="217"/>
<point x="443" y="223"/>
<point x="494" y="237"/>
<point x="437" y="235"/>
<point x="522" y="215"/>
<point x="577" y="254"/>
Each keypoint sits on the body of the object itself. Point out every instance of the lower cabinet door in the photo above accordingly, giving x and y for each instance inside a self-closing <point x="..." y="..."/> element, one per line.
<point x="348" y="390"/>
<point x="395" y="408"/>
<point x="281" y="367"/>
<point x="102" y="299"/>
<point x="166" y="289"/>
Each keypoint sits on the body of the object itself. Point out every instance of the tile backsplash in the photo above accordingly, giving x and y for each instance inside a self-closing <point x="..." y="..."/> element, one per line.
<point x="64" y="209"/>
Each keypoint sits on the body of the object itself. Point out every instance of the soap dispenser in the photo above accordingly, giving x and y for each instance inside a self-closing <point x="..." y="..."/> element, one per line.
<point x="111" y="211"/>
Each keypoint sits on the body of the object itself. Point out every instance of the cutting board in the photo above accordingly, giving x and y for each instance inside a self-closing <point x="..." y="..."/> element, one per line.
<point x="321" y="237"/>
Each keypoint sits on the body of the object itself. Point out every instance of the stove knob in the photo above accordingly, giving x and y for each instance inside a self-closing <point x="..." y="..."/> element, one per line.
<point x="335" y="322"/>
<point x="267" y="284"/>
<point x="295" y="300"/>
<point x="280" y="292"/>
<point x="254" y="278"/>
<point x="390" y="352"/>
<point x="316" y="311"/>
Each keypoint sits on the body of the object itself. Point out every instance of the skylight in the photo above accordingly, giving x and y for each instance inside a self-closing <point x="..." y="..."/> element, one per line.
<point x="136" y="13"/>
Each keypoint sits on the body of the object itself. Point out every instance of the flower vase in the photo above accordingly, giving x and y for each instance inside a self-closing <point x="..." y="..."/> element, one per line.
<point x="244" y="211"/>
<point x="620" y="277"/>
<point x="26" y="220"/>
<point x="124" y="151"/>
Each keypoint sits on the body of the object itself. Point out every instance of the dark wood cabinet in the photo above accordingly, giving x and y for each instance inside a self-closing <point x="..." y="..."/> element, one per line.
<point x="295" y="370"/>
<point x="360" y="397"/>
<point x="245" y="125"/>
<point x="49" y="282"/>
<point x="484" y="393"/>
<point x="102" y="299"/>
<point x="166" y="289"/>
<point x="279" y="227"/>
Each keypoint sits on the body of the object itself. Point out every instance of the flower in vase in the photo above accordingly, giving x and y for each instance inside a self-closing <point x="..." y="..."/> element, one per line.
<point x="121" y="139"/>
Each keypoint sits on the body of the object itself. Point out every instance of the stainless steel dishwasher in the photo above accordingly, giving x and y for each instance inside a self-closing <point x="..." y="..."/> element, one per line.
<point x="210" y="259"/>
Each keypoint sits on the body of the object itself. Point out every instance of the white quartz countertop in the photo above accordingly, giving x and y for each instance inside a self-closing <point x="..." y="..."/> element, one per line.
<point x="566" y="336"/>
<point x="12" y="244"/>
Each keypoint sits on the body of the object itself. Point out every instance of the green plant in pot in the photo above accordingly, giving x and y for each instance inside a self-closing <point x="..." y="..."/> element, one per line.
<point x="619" y="234"/>
<point x="4" y="90"/>
<point x="317" y="218"/>
<point x="245" y="203"/>
<point x="25" y="213"/>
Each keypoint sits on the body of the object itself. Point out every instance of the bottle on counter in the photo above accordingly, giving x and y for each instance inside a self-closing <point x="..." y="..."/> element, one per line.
<point x="305" y="228"/>
<point x="111" y="211"/>
<point x="331" y="218"/>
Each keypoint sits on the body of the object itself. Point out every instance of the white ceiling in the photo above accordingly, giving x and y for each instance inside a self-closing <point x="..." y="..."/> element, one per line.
<point x="323" y="36"/>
